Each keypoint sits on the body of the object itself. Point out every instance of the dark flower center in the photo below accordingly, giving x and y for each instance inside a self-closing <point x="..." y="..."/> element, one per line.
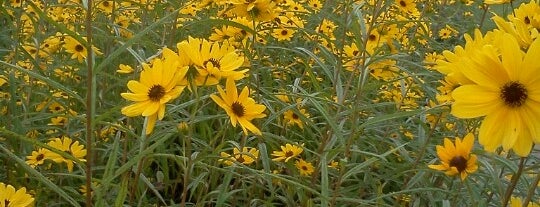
<point x="40" y="157"/>
<point x="240" y="159"/>
<point x="238" y="109"/>
<point x="402" y="3"/>
<point x="214" y="62"/>
<point x="372" y="37"/>
<point x="459" y="162"/>
<point x="514" y="94"/>
<point x="294" y="116"/>
<point x="284" y="32"/>
<point x="79" y="48"/>
<point x="156" y="92"/>
<point x="289" y="153"/>
<point x="304" y="168"/>
<point x="527" y="20"/>
<point x="106" y="4"/>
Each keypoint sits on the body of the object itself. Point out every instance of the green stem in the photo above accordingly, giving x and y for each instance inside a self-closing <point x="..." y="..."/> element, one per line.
<point x="89" y="103"/>
<point x="532" y="190"/>
<point x="513" y="183"/>
<point x="140" y="162"/>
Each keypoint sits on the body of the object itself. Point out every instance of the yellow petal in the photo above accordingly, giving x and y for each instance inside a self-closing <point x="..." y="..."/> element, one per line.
<point x="473" y="101"/>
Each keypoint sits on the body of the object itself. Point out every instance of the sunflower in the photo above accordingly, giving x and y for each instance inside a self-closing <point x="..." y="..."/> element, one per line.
<point x="291" y="117"/>
<point x="505" y="89"/>
<point x="259" y="10"/>
<point x="407" y="6"/>
<point x="456" y="159"/>
<point x="77" y="50"/>
<point x="287" y="152"/>
<point x="240" y="108"/>
<point x="158" y="85"/>
<point x="212" y="60"/>
<point x="246" y="157"/>
<point x="283" y="34"/>
<point x="305" y="168"/>
<point x="11" y="197"/>
<point x="67" y="145"/>
<point x="38" y="157"/>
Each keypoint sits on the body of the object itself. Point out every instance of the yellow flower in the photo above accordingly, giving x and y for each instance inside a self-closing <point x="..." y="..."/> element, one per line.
<point x="283" y="34"/>
<point x="158" y="85"/>
<point x="287" y="152"/>
<point x="124" y="69"/>
<point x="506" y="90"/>
<point x="77" y="50"/>
<point x="11" y="197"/>
<point x="456" y="159"/>
<point x="240" y="108"/>
<point x="246" y="157"/>
<point x="212" y="60"/>
<point x="496" y="1"/>
<point x="516" y="202"/>
<point x="292" y="117"/>
<point x="38" y="157"/>
<point x="305" y="168"/>
<point x="67" y="145"/>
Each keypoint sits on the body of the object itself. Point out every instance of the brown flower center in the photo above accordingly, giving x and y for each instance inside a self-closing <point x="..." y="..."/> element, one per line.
<point x="284" y="32"/>
<point x="527" y="20"/>
<point x="403" y="3"/>
<point x="40" y="157"/>
<point x="304" y="168"/>
<point x="156" y="92"/>
<point x="79" y="48"/>
<point x="238" y="109"/>
<point x="514" y="94"/>
<point x="240" y="159"/>
<point x="289" y="154"/>
<point x="294" y="116"/>
<point x="459" y="162"/>
<point x="214" y="62"/>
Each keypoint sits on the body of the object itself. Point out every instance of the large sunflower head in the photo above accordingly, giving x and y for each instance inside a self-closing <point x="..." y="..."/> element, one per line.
<point x="504" y="89"/>
<point x="158" y="84"/>
<point x="456" y="158"/>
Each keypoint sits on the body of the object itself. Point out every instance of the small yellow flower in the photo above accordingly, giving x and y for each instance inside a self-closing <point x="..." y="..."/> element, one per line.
<point x="124" y="69"/>
<point x="305" y="168"/>
<point x="240" y="107"/>
<point x="287" y="152"/>
<point x="456" y="158"/>
<point x="246" y="157"/>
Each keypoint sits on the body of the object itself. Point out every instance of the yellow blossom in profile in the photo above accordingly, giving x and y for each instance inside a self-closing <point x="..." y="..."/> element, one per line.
<point x="240" y="107"/>
<point x="497" y="1"/>
<point x="124" y="69"/>
<point x="456" y="158"/>
<point x="247" y="156"/>
<point x="287" y="152"/>
<point x="158" y="85"/>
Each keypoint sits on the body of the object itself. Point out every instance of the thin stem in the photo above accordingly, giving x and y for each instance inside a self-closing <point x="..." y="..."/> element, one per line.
<point x="532" y="190"/>
<point x="485" y="7"/>
<point x="140" y="162"/>
<point x="89" y="104"/>
<point x="513" y="183"/>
